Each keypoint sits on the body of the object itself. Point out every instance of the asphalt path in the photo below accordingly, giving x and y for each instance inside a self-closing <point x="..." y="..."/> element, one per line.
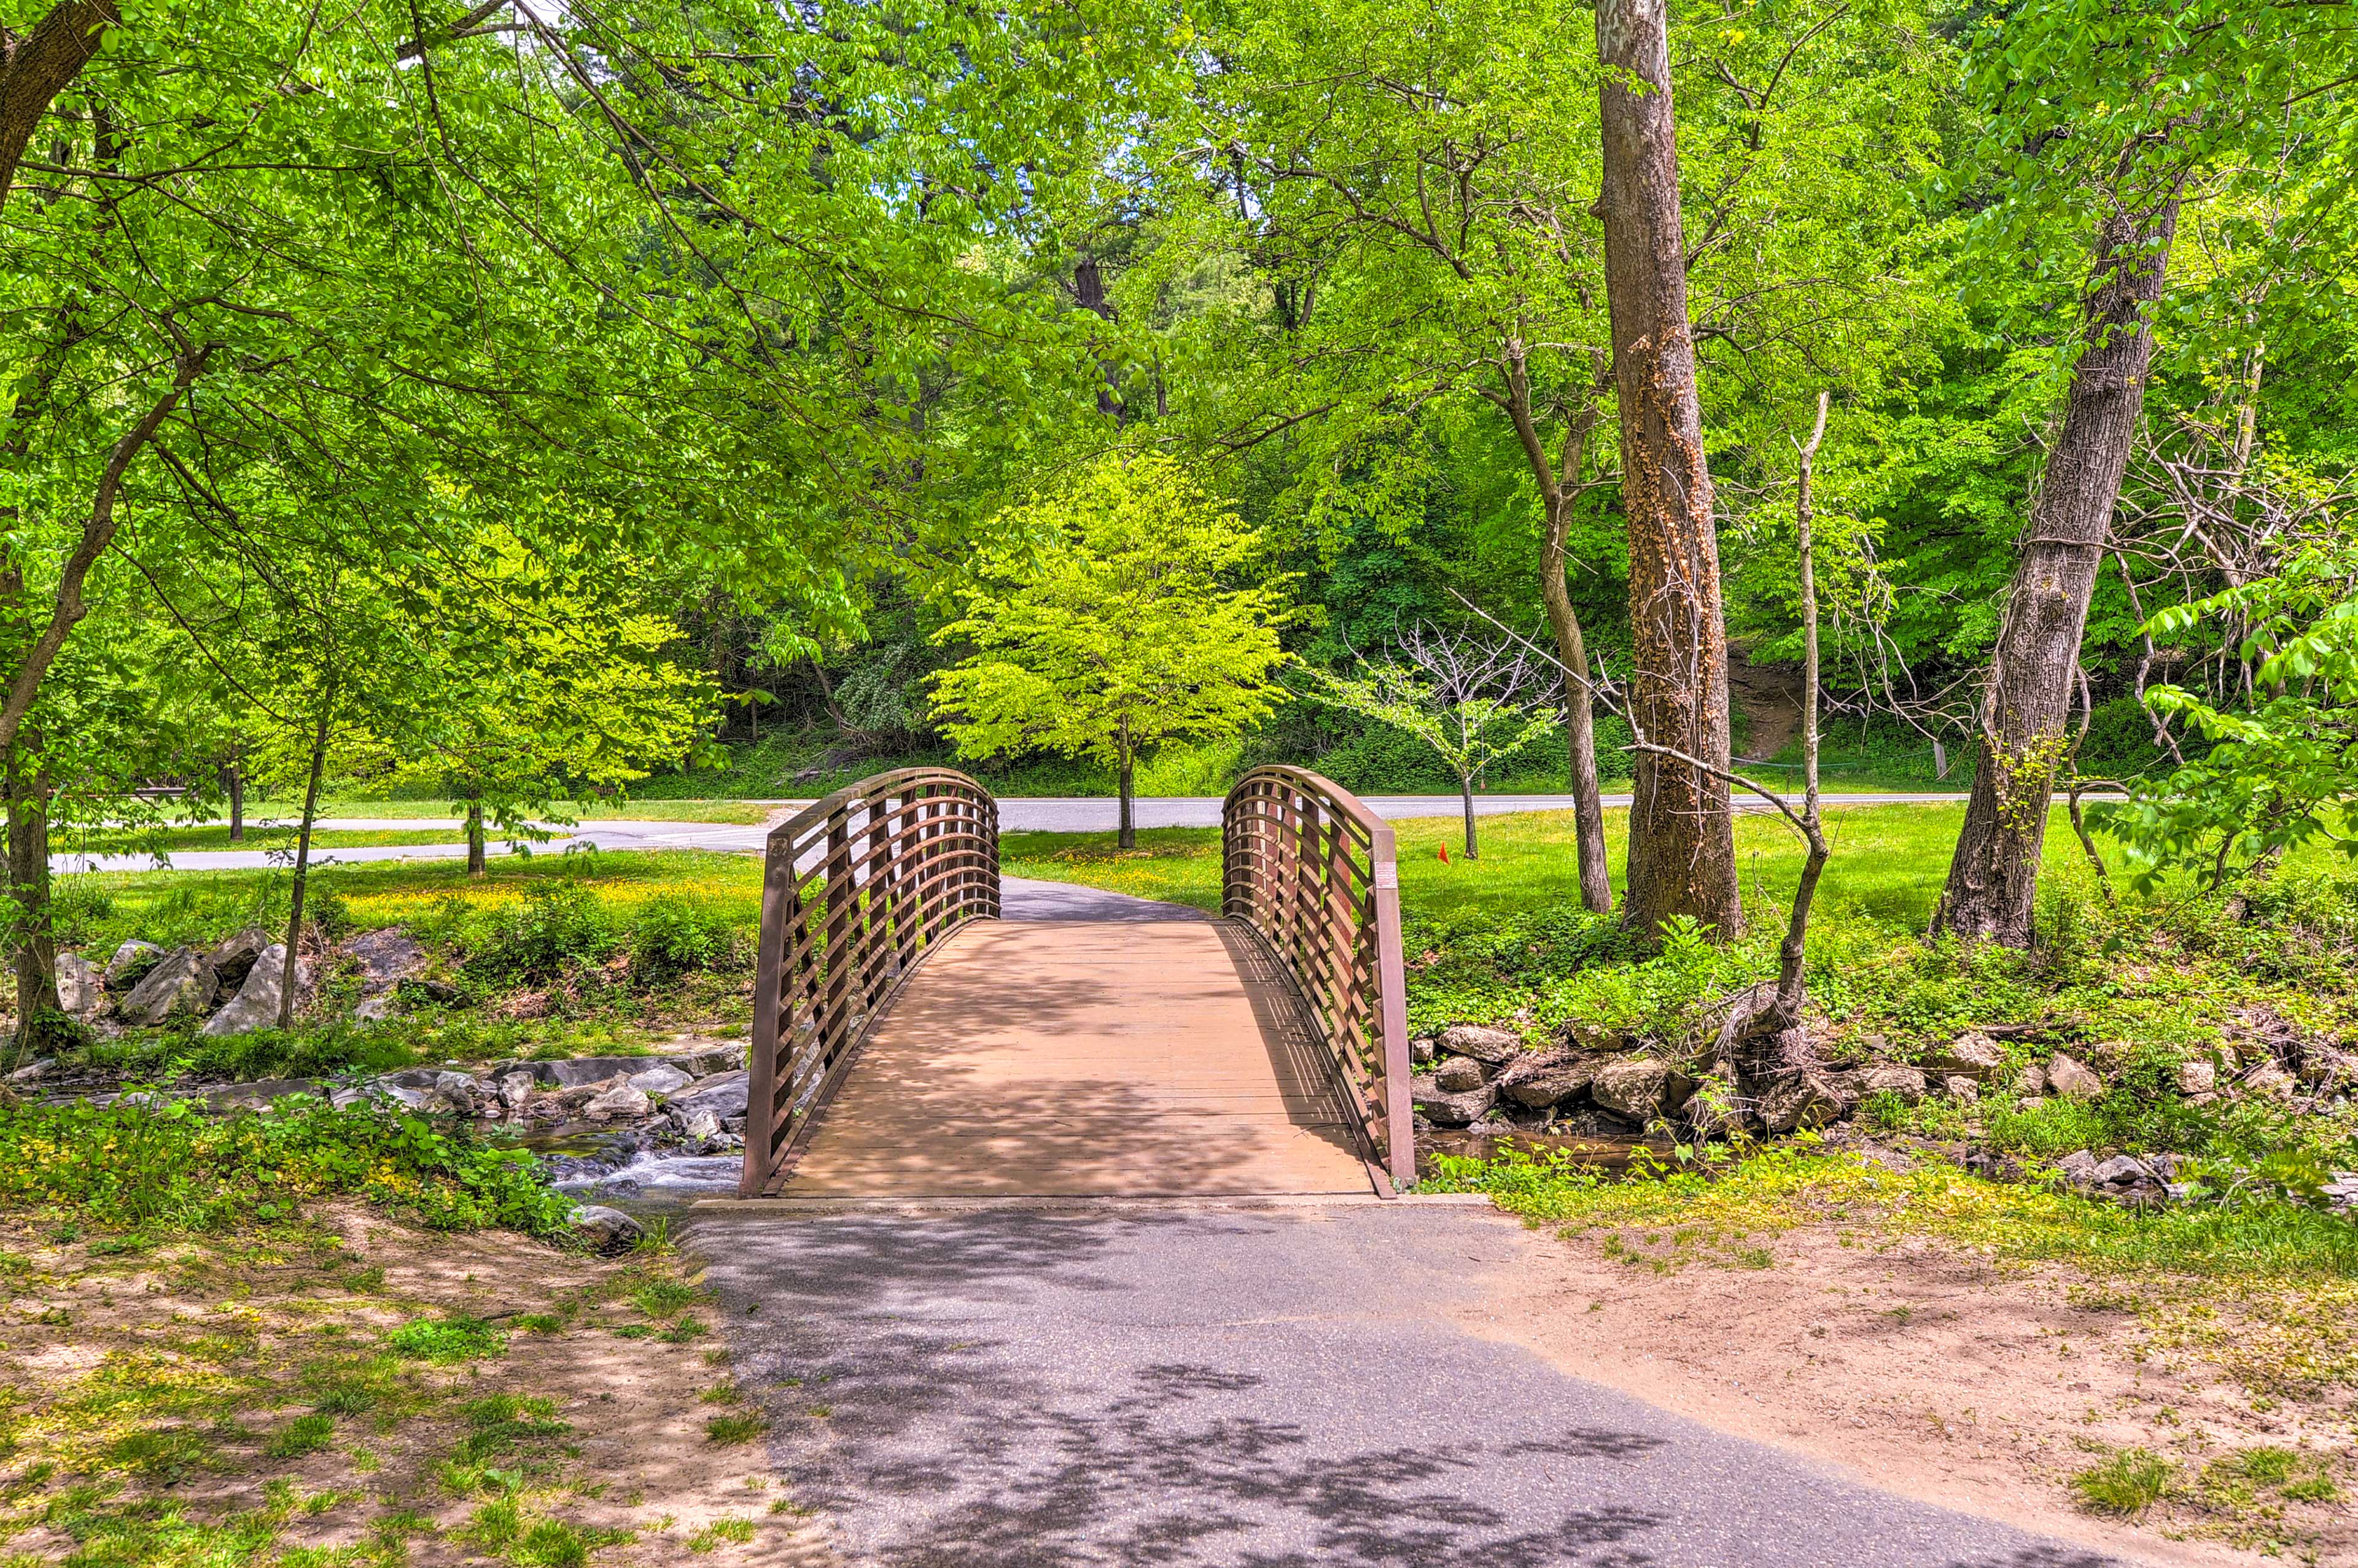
<point x="1183" y="1386"/>
<point x="1016" y="815"/>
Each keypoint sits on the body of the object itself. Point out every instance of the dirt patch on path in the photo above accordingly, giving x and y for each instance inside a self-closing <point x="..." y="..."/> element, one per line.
<point x="1938" y="1377"/>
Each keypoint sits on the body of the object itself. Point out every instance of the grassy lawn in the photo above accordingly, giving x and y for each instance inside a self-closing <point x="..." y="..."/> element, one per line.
<point x="173" y="841"/>
<point x="634" y="809"/>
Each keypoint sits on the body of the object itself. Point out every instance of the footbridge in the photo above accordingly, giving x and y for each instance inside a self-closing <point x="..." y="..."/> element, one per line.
<point x="919" y="1034"/>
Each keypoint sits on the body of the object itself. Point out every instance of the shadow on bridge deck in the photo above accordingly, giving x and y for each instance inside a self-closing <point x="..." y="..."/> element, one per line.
<point x="1036" y="1057"/>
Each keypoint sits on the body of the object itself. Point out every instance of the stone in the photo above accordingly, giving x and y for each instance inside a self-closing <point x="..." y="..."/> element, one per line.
<point x="2120" y="1171"/>
<point x="464" y="1092"/>
<point x="349" y="1095"/>
<point x="1962" y="1089"/>
<point x="260" y="1094"/>
<point x="2067" y="1079"/>
<point x="1890" y="1079"/>
<point x="2197" y="1077"/>
<point x="701" y="1128"/>
<point x="605" y="1231"/>
<point x="409" y="1099"/>
<point x="255" y="1006"/>
<point x="180" y="983"/>
<point x="514" y="1089"/>
<point x="573" y="1072"/>
<point x="82" y="990"/>
<point x="385" y="957"/>
<point x="711" y="1059"/>
<point x="2078" y="1168"/>
<point x="1443" y="1109"/>
<point x="620" y="1100"/>
<point x="233" y="957"/>
<point x="2031" y="1082"/>
<point x="2271" y="1080"/>
<point x="1481" y="1043"/>
<point x="1547" y="1078"/>
<point x="1972" y="1054"/>
<point x="723" y="1094"/>
<point x="131" y="963"/>
<point x="1801" y="1099"/>
<point x="661" y="1079"/>
<point x="1598" y="1037"/>
<point x="1459" y="1075"/>
<point x="376" y="1009"/>
<point x="1422" y="1050"/>
<point x="32" y="1072"/>
<point x="1641" y="1088"/>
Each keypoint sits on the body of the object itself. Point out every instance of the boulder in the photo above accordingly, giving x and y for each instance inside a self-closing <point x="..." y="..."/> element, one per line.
<point x="82" y="988"/>
<point x="1797" y="1101"/>
<point x="514" y="1089"/>
<point x="1481" y="1043"/>
<point x="573" y="1072"/>
<point x="1972" y="1054"/>
<point x="2269" y="1079"/>
<point x="2031" y="1082"/>
<point x="1443" y="1109"/>
<point x="258" y="1096"/>
<point x="605" y="1230"/>
<point x="2078" y="1168"/>
<point x="1548" y="1078"/>
<point x="255" y="1006"/>
<point x="1599" y="1037"/>
<point x="1459" y="1075"/>
<point x="387" y="957"/>
<point x="723" y="1094"/>
<point x="1422" y="1050"/>
<point x="617" y="1100"/>
<point x="1962" y="1089"/>
<point x="2069" y="1080"/>
<point x="2120" y="1171"/>
<point x="661" y="1079"/>
<point x="1640" y="1088"/>
<point x="700" y="1128"/>
<point x="1888" y="1078"/>
<point x="2197" y="1077"/>
<point x="463" y="1092"/>
<point x="131" y="963"/>
<point x="711" y="1059"/>
<point x="180" y="984"/>
<point x="233" y="957"/>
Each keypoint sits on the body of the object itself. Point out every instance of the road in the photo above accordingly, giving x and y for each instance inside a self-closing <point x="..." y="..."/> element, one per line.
<point x="1191" y="1385"/>
<point x="1016" y="815"/>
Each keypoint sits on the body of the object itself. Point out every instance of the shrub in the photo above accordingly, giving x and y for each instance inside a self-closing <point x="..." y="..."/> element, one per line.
<point x="558" y="925"/>
<point x="132" y="1165"/>
<point x="673" y="938"/>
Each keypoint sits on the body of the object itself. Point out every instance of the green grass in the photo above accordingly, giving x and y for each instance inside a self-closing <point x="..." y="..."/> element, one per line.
<point x="2128" y="1483"/>
<point x="257" y="838"/>
<point x="635" y="808"/>
<point x="729" y="1431"/>
<point x="446" y="1341"/>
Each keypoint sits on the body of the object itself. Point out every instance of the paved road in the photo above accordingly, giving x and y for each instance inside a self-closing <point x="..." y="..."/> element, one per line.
<point x="1016" y="815"/>
<point x="1185" y="1387"/>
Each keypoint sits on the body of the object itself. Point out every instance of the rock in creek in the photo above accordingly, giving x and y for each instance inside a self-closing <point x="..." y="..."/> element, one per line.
<point x="711" y="1059"/>
<point x="663" y="1078"/>
<point x="1641" y="1088"/>
<point x="82" y="990"/>
<point x="1437" y="1105"/>
<point x="1797" y="1101"/>
<point x="724" y="1095"/>
<point x="1547" y="1078"/>
<point x="1459" y="1075"/>
<point x="258" y="1096"/>
<point x="180" y="983"/>
<point x="617" y="1100"/>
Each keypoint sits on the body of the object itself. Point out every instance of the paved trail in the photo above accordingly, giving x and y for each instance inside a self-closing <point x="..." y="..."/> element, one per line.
<point x="1016" y="815"/>
<point x="1191" y="1386"/>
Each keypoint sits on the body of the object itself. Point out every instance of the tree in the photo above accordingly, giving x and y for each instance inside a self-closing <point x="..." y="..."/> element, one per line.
<point x="1682" y="830"/>
<point x="1117" y="623"/>
<point x="2099" y="119"/>
<point x="1468" y="698"/>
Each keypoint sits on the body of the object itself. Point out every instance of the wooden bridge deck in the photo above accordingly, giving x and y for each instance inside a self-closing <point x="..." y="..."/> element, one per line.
<point x="1051" y="1059"/>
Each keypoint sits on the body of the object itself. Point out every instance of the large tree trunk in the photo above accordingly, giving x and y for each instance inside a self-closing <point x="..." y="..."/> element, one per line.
<point x="476" y="866"/>
<point x="1125" y="783"/>
<point x="1682" y="837"/>
<point x="233" y="786"/>
<point x="33" y="950"/>
<point x="1993" y="877"/>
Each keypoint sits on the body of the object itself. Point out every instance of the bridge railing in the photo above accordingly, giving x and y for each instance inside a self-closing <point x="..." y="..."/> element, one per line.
<point x="1312" y="871"/>
<point x="858" y="887"/>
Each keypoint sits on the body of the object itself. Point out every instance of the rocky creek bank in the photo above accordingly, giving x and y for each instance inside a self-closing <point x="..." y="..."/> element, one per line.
<point x="1597" y="1083"/>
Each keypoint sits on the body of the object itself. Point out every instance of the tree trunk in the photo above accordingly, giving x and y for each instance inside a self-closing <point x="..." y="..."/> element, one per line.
<point x="1681" y="833"/>
<point x="1559" y="486"/>
<point x="475" y="862"/>
<point x="1466" y="798"/>
<point x="303" y="859"/>
<point x="233" y="785"/>
<point x="33" y="951"/>
<point x="1993" y="877"/>
<point x="1790" y="953"/>
<point x="1127" y="837"/>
